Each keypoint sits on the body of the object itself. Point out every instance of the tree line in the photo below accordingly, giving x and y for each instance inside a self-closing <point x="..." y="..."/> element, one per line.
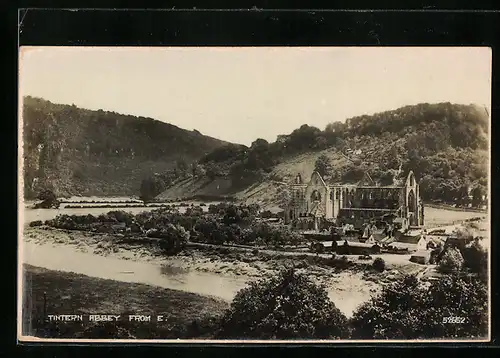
<point x="443" y="144"/>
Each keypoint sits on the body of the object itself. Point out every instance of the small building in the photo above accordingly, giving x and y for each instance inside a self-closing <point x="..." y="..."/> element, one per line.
<point x="422" y="244"/>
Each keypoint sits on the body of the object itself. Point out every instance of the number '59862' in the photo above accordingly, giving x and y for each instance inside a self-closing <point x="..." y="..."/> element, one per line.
<point x="453" y="319"/>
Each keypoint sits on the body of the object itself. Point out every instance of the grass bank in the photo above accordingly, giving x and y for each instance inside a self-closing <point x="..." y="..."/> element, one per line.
<point x="185" y="315"/>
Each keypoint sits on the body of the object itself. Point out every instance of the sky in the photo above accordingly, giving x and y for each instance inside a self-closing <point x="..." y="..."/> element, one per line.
<point x="241" y="94"/>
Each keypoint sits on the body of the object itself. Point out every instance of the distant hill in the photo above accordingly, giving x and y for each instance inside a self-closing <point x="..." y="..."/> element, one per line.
<point x="76" y="151"/>
<point x="445" y="144"/>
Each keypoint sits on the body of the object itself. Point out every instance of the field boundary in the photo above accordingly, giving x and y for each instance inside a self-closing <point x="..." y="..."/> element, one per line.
<point x="451" y="208"/>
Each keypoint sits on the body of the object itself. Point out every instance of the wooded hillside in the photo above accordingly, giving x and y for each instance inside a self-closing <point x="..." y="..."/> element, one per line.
<point x="76" y="151"/>
<point x="445" y="144"/>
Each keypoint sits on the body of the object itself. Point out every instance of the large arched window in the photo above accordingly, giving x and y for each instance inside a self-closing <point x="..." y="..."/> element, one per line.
<point x="315" y="196"/>
<point x="412" y="202"/>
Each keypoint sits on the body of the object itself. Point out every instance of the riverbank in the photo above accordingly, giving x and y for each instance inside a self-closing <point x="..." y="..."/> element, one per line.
<point x="60" y="293"/>
<point x="220" y="272"/>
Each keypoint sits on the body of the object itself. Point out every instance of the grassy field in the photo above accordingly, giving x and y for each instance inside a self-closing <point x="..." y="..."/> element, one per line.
<point x="440" y="217"/>
<point x="185" y="314"/>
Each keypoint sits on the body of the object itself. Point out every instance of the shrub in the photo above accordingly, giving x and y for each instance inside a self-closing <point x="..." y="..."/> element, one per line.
<point x="341" y="263"/>
<point x="284" y="306"/>
<point x="62" y="222"/>
<point x="379" y="264"/>
<point x="302" y="264"/>
<point x="36" y="223"/>
<point x="48" y="200"/>
<point x="456" y="295"/>
<point x="476" y="259"/>
<point x="408" y="309"/>
<point x="451" y="261"/>
<point x="435" y="255"/>
<point x="174" y="238"/>
<point x="115" y="216"/>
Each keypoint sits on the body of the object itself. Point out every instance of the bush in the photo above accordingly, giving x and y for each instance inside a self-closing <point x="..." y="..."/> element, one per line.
<point x="456" y="295"/>
<point x="476" y="259"/>
<point x="285" y="306"/>
<point x="435" y="255"/>
<point x="117" y="216"/>
<point x="62" y="222"/>
<point x="174" y="238"/>
<point x="48" y="200"/>
<point x="36" y="223"/>
<point x="451" y="261"/>
<point x="379" y="264"/>
<point x="408" y="309"/>
<point x="341" y="263"/>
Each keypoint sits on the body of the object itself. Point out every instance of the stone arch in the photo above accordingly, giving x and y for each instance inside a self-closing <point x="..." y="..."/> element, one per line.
<point x="412" y="207"/>
<point x="410" y="181"/>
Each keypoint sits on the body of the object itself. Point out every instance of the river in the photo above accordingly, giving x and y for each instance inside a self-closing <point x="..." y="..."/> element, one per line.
<point x="347" y="292"/>
<point x="66" y="258"/>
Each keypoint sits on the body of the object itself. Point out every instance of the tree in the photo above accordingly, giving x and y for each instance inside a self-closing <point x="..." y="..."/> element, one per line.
<point x="213" y="170"/>
<point x="477" y="195"/>
<point x="284" y="197"/>
<point x="456" y="295"/>
<point x="174" y="238"/>
<point x="353" y="173"/>
<point x="49" y="200"/>
<point x="476" y="260"/>
<point x="197" y="170"/>
<point x="452" y="261"/>
<point x="209" y="230"/>
<point x="150" y="188"/>
<point x="379" y="264"/>
<point x="285" y="306"/>
<point x="182" y="166"/>
<point x="408" y="309"/>
<point x="323" y="165"/>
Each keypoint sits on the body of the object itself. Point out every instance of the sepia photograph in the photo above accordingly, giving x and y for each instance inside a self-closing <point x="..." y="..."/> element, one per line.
<point x="254" y="194"/>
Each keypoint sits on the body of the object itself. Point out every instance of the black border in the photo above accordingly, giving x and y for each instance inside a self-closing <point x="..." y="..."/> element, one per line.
<point x="257" y="27"/>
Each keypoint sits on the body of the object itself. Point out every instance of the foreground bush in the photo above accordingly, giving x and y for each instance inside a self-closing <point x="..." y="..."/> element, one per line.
<point x="410" y="310"/>
<point x="379" y="264"/>
<point x="452" y="261"/>
<point x="476" y="260"/>
<point x="286" y="306"/>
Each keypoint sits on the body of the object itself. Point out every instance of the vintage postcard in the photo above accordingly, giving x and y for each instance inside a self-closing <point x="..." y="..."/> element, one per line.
<point x="225" y="194"/>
